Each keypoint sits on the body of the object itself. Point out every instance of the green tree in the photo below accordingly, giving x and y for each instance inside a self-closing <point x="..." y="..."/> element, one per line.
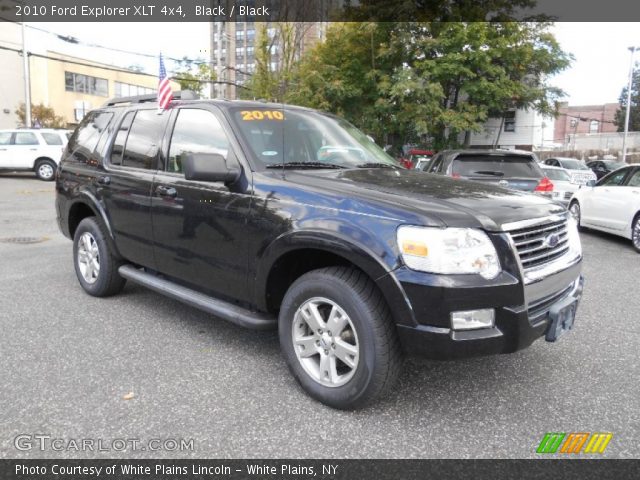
<point x="431" y="81"/>
<point x="634" y="112"/>
<point x="193" y="75"/>
<point x="45" y="116"/>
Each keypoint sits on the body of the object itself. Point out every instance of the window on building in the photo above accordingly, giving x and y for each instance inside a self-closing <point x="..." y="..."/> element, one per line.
<point x="128" y="90"/>
<point x="510" y="121"/>
<point x="594" y="126"/>
<point x="76" y="82"/>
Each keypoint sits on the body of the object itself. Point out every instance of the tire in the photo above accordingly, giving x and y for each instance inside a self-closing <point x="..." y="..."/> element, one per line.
<point x="576" y="212"/>
<point x="95" y="264"/>
<point x="364" y="325"/>
<point x="635" y="232"/>
<point x="46" y="170"/>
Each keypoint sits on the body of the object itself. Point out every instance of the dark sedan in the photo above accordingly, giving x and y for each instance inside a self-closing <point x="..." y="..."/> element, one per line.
<point x="604" y="167"/>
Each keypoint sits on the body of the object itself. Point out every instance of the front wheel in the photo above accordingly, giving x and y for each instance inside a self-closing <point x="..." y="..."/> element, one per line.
<point x="635" y="233"/>
<point x="46" y="170"/>
<point x="574" y="210"/>
<point x="338" y="338"/>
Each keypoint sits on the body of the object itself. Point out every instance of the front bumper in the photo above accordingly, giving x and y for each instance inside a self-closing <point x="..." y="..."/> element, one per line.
<point x="522" y="315"/>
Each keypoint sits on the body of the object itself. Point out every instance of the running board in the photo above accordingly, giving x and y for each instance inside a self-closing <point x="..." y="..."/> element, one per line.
<point x="225" y="310"/>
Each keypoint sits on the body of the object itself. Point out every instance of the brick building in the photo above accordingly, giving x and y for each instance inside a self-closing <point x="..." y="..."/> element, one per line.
<point x="584" y="119"/>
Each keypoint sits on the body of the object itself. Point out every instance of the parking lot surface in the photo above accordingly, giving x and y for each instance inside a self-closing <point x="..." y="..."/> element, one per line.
<point x="69" y="361"/>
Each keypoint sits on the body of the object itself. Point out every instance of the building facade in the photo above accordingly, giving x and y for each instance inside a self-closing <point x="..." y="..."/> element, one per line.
<point x="233" y="50"/>
<point x="520" y="129"/>
<point x="11" y="73"/>
<point x="585" y="119"/>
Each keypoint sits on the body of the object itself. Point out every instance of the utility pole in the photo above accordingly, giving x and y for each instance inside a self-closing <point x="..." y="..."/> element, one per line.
<point x="628" y="111"/>
<point x="27" y="82"/>
<point x="219" y="59"/>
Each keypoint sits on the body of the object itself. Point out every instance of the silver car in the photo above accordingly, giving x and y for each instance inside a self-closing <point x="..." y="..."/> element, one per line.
<point x="578" y="171"/>
<point x="563" y="187"/>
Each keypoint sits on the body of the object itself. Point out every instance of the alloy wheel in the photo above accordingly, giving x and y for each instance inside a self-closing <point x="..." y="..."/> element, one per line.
<point x="88" y="258"/>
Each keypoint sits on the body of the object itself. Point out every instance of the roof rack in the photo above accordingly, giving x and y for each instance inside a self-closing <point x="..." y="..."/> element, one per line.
<point x="153" y="97"/>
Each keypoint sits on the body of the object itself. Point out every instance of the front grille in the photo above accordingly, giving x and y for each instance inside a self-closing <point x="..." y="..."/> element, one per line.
<point x="541" y="307"/>
<point x="541" y="244"/>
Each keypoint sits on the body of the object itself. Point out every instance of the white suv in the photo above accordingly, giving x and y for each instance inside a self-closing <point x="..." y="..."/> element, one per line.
<point x="38" y="150"/>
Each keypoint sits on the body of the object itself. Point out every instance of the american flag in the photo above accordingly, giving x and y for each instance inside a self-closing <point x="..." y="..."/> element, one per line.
<point x="165" y="95"/>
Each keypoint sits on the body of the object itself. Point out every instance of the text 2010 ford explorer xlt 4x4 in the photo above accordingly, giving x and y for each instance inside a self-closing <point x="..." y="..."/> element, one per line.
<point x="269" y="215"/>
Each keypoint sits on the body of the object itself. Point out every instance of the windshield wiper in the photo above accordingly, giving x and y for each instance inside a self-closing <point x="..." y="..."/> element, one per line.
<point x="490" y="172"/>
<point x="305" y="165"/>
<point x="377" y="165"/>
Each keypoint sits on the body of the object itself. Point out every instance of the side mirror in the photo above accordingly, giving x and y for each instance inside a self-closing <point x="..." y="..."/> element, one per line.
<point x="591" y="183"/>
<point x="210" y="167"/>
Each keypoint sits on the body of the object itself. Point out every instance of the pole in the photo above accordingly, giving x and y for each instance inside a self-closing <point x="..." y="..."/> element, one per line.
<point x="219" y="60"/>
<point x="628" y="111"/>
<point x="27" y="92"/>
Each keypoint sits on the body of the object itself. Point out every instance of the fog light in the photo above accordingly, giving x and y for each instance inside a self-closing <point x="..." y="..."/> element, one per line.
<point x="472" y="319"/>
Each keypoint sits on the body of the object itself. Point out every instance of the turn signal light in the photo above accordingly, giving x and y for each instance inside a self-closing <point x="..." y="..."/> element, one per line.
<point x="545" y="185"/>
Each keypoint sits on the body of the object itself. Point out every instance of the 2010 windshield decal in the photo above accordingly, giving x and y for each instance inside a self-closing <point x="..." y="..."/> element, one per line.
<point x="253" y="115"/>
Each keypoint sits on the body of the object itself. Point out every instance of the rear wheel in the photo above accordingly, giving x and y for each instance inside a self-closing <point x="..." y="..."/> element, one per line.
<point x="635" y="233"/>
<point x="95" y="264"/>
<point x="574" y="210"/>
<point x="46" y="170"/>
<point x="338" y="338"/>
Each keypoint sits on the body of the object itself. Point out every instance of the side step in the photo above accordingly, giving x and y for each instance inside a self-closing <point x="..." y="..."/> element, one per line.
<point x="227" y="311"/>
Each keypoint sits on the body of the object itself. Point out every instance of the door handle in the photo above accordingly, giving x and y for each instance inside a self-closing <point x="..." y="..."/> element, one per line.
<point x="165" y="191"/>
<point x="104" y="180"/>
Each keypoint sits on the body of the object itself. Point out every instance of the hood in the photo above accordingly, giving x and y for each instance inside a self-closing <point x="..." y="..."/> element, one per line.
<point x="455" y="202"/>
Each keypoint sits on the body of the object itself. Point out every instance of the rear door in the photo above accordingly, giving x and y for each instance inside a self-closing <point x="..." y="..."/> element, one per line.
<point x="200" y="227"/>
<point x="24" y="150"/>
<point x="126" y="184"/>
<point x="518" y="172"/>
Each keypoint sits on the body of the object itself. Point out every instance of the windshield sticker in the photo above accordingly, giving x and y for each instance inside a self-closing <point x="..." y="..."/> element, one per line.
<point x="253" y="115"/>
<point x="269" y="153"/>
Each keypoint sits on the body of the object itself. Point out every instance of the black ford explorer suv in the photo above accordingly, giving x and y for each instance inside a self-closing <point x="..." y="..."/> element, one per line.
<point x="278" y="216"/>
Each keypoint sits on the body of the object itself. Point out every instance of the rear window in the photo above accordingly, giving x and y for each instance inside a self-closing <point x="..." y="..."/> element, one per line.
<point x="512" y="166"/>
<point x="559" y="175"/>
<point x="51" y="138"/>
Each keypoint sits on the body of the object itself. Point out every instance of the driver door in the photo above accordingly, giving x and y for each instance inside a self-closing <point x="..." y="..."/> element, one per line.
<point x="605" y="199"/>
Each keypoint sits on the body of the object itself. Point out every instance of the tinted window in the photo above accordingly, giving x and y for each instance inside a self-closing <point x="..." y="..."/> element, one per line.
<point x="141" y="149"/>
<point x="5" y="138"/>
<point x="196" y="131"/>
<point x="121" y="138"/>
<point x="84" y="140"/>
<point x="25" y="138"/>
<point x="498" y="166"/>
<point x="51" y="138"/>
<point x="614" y="178"/>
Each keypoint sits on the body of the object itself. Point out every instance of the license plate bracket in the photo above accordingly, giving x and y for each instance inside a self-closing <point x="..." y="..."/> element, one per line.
<point x="562" y="315"/>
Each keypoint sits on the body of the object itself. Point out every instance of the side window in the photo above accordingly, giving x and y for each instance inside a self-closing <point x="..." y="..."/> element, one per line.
<point x="196" y="131"/>
<point x="51" y="138"/>
<point x="435" y="163"/>
<point x="25" y="138"/>
<point x="634" y="180"/>
<point x="121" y="138"/>
<point x="615" y="179"/>
<point x="141" y="149"/>
<point x="5" y="138"/>
<point x="84" y="140"/>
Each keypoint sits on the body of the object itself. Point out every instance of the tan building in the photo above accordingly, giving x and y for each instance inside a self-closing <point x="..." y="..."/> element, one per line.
<point x="11" y="77"/>
<point x="73" y="86"/>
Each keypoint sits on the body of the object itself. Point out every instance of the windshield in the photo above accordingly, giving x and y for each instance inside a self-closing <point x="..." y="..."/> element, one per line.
<point x="573" y="164"/>
<point x="559" y="175"/>
<point x="299" y="137"/>
<point x="499" y="166"/>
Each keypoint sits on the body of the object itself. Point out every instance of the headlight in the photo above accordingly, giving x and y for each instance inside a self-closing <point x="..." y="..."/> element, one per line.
<point x="448" y="251"/>
<point x="575" y="247"/>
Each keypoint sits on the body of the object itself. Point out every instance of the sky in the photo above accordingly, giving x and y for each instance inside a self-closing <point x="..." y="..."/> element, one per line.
<point x="596" y="76"/>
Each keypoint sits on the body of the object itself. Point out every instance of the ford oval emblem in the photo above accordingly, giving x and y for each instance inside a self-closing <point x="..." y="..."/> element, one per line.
<point x="551" y="240"/>
<point x="503" y="183"/>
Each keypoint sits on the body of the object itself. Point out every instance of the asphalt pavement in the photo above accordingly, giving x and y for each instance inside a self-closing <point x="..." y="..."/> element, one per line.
<point x="70" y="363"/>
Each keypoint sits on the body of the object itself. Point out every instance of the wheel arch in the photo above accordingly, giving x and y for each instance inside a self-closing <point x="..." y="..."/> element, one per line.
<point x="87" y="205"/>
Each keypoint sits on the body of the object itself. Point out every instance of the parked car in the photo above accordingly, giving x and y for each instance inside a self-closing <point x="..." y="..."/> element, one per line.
<point x="563" y="189"/>
<point x="417" y="158"/>
<point x="505" y="168"/>
<point x="237" y="208"/>
<point x="580" y="173"/>
<point x="603" y="167"/>
<point x="612" y="205"/>
<point x="37" y="150"/>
